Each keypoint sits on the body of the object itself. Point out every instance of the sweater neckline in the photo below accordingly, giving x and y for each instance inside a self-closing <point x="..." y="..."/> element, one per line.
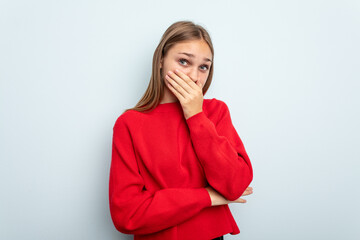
<point x="169" y="107"/>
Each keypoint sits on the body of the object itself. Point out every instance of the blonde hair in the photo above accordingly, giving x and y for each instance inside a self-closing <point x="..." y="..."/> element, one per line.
<point x="177" y="32"/>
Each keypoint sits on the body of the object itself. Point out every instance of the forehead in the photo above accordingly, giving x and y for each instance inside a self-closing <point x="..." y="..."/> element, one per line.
<point x="199" y="48"/>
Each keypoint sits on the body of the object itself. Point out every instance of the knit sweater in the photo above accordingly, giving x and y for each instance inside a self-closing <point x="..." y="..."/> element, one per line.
<point x="161" y="164"/>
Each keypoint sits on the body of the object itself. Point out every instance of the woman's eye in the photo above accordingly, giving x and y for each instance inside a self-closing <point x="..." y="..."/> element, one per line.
<point x="204" y="67"/>
<point x="183" y="61"/>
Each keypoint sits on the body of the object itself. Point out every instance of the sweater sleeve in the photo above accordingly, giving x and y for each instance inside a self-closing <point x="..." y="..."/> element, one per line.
<point x="135" y="210"/>
<point x="221" y="153"/>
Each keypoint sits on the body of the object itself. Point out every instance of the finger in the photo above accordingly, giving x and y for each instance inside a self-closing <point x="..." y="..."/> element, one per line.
<point x="176" y="93"/>
<point x="183" y="82"/>
<point x="249" y="189"/>
<point x="186" y="78"/>
<point x="247" y="193"/>
<point x="239" y="200"/>
<point x="178" y="84"/>
<point x="175" y="86"/>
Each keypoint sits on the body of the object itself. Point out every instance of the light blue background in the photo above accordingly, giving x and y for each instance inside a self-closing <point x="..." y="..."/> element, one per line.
<point x="288" y="70"/>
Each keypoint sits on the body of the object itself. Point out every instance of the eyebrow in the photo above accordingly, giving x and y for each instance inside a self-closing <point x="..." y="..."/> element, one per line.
<point x="192" y="56"/>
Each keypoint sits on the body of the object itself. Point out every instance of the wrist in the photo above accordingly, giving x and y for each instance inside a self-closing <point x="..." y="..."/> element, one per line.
<point x="216" y="198"/>
<point x="187" y="116"/>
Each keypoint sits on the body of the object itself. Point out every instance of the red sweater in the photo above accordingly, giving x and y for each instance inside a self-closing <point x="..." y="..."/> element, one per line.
<point x="161" y="164"/>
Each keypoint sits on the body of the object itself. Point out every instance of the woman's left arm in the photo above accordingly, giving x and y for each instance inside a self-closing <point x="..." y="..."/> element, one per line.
<point x="221" y="152"/>
<point x="219" y="148"/>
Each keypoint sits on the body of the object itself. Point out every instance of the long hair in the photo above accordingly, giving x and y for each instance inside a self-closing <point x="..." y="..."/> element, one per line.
<point x="177" y="32"/>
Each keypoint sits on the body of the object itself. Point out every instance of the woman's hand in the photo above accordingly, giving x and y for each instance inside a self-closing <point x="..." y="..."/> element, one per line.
<point x="248" y="191"/>
<point x="217" y="199"/>
<point x="189" y="93"/>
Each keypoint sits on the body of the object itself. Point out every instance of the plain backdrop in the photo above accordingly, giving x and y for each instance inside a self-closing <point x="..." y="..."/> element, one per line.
<point x="288" y="71"/>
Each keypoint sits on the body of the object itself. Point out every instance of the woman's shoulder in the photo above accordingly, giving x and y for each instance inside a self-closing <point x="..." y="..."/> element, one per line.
<point x="214" y="104"/>
<point x="215" y="109"/>
<point x="128" y="118"/>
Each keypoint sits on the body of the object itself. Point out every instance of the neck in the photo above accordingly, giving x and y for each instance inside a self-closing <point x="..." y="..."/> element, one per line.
<point x="168" y="97"/>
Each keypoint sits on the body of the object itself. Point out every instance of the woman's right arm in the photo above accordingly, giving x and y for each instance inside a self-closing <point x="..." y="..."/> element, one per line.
<point x="135" y="210"/>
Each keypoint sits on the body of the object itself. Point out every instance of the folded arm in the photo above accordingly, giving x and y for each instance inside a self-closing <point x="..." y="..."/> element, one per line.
<point x="135" y="210"/>
<point x="221" y="153"/>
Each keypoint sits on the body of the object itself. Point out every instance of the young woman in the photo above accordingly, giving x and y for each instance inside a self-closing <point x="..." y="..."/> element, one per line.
<point x="177" y="160"/>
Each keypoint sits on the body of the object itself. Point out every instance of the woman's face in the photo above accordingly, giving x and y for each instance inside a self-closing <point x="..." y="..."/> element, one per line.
<point x="192" y="57"/>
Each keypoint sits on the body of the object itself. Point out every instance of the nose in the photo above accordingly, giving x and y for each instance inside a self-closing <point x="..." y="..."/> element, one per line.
<point x="194" y="74"/>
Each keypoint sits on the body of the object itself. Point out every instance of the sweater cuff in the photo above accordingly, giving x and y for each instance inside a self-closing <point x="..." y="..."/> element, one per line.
<point x="194" y="117"/>
<point x="205" y="196"/>
<point x="201" y="127"/>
